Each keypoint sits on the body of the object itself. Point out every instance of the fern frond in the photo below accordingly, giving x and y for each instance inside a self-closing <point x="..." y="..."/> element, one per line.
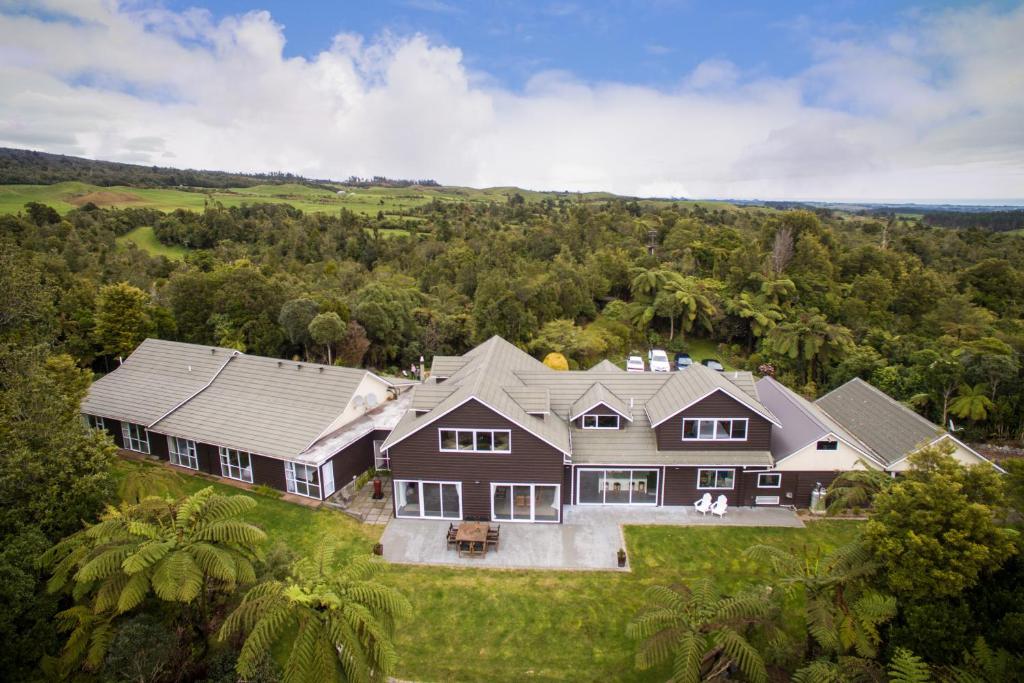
<point x="906" y="667"/>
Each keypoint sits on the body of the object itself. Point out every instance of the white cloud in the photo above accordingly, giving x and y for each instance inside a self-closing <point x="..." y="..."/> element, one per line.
<point x="931" y="110"/>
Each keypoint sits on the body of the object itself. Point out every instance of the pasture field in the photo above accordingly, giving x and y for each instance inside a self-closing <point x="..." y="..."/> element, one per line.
<point x="144" y="238"/>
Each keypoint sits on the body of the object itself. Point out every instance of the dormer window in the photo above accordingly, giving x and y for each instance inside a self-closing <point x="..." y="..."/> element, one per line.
<point x="828" y="445"/>
<point x="715" y="429"/>
<point x="600" y="421"/>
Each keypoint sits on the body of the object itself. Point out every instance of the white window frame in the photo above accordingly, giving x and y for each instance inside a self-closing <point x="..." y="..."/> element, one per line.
<point x="716" y="470"/>
<point x="533" y="503"/>
<point x="474" y="432"/>
<point x="188" y="458"/>
<point x="631" y="470"/>
<point x="381" y="458"/>
<point x="714" y="431"/>
<point x="139" y="442"/>
<point x="833" y="443"/>
<point x="419" y="490"/>
<point x="595" y="420"/>
<point x="96" y="422"/>
<point x="769" y="474"/>
<point x="227" y="467"/>
<point x="302" y="487"/>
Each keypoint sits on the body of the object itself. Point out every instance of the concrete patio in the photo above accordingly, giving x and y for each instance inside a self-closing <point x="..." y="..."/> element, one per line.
<point x="587" y="540"/>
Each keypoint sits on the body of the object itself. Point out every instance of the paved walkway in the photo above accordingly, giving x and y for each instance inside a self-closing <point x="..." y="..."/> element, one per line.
<point x="372" y="511"/>
<point x="588" y="539"/>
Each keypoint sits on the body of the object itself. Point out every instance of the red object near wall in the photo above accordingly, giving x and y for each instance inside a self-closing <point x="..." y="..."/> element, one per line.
<point x="378" y="490"/>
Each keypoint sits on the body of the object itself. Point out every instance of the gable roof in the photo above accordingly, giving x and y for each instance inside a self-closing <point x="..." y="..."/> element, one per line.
<point x="220" y="396"/>
<point x="885" y="425"/>
<point x="804" y="422"/>
<point x="696" y="383"/>
<point x="599" y="394"/>
<point x="606" y="366"/>
<point x="157" y="377"/>
<point x="488" y="375"/>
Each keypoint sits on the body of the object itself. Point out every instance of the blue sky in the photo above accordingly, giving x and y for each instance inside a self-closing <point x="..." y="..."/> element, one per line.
<point x="862" y="101"/>
<point x="652" y="42"/>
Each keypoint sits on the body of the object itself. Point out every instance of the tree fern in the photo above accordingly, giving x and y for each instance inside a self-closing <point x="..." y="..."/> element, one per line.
<point x="906" y="667"/>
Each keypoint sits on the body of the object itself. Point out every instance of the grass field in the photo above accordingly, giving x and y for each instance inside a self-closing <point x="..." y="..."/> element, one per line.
<point x="144" y="238"/>
<point x="367" y="201"/>
<point x="493" y="625"/>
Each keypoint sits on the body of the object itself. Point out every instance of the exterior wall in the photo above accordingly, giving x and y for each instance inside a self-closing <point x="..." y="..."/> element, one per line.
<point x="809" y="458"/>
<point x="531" y="461"/>
<point x="114" y="429"/>
<point x="267" y="471"/>
<point x="961" y="454"/>
<point x="158" y="446"/>
<point x="209" y="458"/>
<point x="568" y="485"/>
<point x="681" y="487"/>
<point x="354" y="460"/>
<point x="368" y="385"/>
<point x="759" y="430"/>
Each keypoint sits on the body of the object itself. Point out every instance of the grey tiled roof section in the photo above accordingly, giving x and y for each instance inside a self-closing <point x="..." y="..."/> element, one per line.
<point x="888" y="427"/>
<point x="446" y="366"/>
<point x="426" y="396"/>
<point x="488" y="369"/>
<point x="692" y="384"/>
<point x="606" y="366"/>
<point x="265" y="406"/>
<point x="745" y="381"/>
<point x="803" y="421"/>
<point x="530" y="399"/>
<point x="154" y="379"/>
<point x="599" y="393"/>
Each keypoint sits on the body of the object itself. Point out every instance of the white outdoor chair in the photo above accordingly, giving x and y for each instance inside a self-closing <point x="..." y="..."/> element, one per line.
<point x="703" y="505"/>
<point x="720" y="506"/>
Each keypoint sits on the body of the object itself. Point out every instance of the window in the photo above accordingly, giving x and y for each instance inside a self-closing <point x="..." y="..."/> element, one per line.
<point x="715" y="429"/>
<point x="600" y="421"/>
<point x="437" y="499"/>
<point x="302" y="479"/>
<point x="769" y="480"/>
<point x="525" y="502"/>
<point x="381" y="459"/>
<point x="96" y="422"/>
<point x="183" y="452"/>
<point x="828" y="445"/>
<point x="617" y="487"/>
<point x="716" y="479"/>
<point x="235" y="464"/>
<point x="476" y="440"/>
<point x="136" y="438"/>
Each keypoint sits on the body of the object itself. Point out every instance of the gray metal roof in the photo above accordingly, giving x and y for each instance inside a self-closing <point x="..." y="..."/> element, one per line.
<point x="446" y="366"/>
<point x="803" y="422"/>
<point x="889" y="428"/>
<point x="599" y="394"/>
<point x="686" y="387"/>
<point x="532" y="399"/>
<point x="606" y="366"/>
<point x="265" y="406"/>
<point x="153" y="380"/>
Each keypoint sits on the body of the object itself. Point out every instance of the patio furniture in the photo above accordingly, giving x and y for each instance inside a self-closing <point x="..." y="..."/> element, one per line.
<point x="704" y="504"/>
<point x="720" y="506"/>
<point x="493" y="534"/>
<point x="450" y="537"/>
<point x="471" y="538"/>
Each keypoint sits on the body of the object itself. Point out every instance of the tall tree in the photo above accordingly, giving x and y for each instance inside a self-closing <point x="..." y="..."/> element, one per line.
<point x="123" y="319"/>
<point x="295" y="317"/>
<point x="327" y="329"/>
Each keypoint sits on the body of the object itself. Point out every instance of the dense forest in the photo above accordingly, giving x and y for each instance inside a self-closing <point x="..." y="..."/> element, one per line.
<point x="933" y="316"/>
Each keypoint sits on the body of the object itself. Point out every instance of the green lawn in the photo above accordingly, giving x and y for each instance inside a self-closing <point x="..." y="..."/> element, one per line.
<point x="144" y="238"/>
<point x="494" y="625"/>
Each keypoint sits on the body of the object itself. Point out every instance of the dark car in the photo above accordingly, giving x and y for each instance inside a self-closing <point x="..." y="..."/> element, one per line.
<point x="683" y="361"/>
<point x="713" y="364"/>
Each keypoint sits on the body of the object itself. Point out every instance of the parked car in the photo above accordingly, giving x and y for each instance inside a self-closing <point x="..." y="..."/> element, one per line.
<point x="683" y="361"/>
<point x="713" y="364"/>
<point x="635" y="364"/>
<point x="659" y="361"/>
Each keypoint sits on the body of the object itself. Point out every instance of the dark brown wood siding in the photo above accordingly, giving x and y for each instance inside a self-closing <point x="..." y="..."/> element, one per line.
<point x="114" y="429"/>
<point x="681" y="487"/>
<point x="355" y="459"/>
<point x="209" y="458"/>
<point x="532" y="461"/>
<point x="567" y="485"/>
<point x="269" y="472"/>
<point x="759" y="430"/>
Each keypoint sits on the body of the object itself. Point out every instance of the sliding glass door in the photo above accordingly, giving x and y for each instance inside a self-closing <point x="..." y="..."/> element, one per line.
<point x="617" y="487"/>
<point x="525" y="502"/>
<point x="429" y="499"/>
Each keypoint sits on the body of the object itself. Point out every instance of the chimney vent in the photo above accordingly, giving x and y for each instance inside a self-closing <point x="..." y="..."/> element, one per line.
<point x="279" y="363"/>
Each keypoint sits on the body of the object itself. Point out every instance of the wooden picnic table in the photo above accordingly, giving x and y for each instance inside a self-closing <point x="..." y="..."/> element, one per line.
<point x="470" y="534"/>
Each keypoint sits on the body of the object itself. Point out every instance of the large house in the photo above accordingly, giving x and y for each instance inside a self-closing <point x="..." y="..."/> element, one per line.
<point x="302" y="428"/>
<point x="495" y="434"/>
